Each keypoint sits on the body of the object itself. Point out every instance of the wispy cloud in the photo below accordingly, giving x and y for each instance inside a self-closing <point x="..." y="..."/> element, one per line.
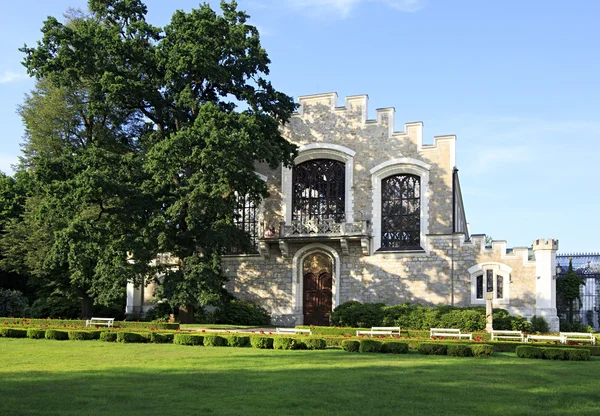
<point x="11" y="76"/>
<point x="343" y="8"/>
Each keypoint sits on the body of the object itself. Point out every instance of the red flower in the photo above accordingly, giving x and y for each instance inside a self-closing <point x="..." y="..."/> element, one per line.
<point x="270" y="333"/>
<point x="204" y="330"/>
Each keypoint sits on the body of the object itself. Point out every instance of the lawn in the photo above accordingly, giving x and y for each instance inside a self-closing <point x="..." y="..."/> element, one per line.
<point x="96" y="378"/>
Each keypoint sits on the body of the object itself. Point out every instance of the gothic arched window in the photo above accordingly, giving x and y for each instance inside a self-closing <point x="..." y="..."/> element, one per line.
<point x="401" y="212"/>
<point x="319" y="190"/>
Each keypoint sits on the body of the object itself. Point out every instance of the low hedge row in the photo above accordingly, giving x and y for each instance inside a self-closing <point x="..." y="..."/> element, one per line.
<point x="372" y="345"/>
<point x="81" y="323"/>
<point x="456" y="350"/>
<point x="549" y="353"/>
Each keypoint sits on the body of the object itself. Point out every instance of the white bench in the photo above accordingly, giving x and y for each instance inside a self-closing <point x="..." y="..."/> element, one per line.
<point x="395" y="329"/>
<point x="372" y="332"/>
<point x="546" y="338"/>
<point x="448" y="332"/>
<point x="499" y="334"/>
<point x="100" y="321"/>
<point x="579" y="337"/>
<point x="293" y="331"/>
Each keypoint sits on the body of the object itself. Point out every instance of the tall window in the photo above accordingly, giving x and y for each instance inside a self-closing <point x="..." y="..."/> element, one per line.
<point x="489" y="281"/>
<point x="401" y="212"/>
<point x="246" y="219"/>
<point x="319" y="190"/>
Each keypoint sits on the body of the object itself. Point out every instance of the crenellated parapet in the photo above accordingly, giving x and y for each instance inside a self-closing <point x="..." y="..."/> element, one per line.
<point x="545" y="244"/>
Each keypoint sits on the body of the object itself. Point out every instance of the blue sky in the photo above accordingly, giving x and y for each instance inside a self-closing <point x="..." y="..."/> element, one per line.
<point x="516" y="81"/>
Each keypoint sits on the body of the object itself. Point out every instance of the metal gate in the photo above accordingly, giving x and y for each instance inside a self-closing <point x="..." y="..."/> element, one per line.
<point x="586" y="266"/>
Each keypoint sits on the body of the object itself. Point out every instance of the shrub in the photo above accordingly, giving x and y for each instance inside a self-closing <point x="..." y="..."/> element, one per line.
<point x="350" y="345"/>
<point x="526" y="351"/>
<point x="539" y="324"/>
<point x="160" y="313"/>
<point x="130" y="337"/>
<point x="55" y="307"/>
<point x="36" y="333"/>
<point x="188" y="339"/>
<point x="369" y="345"/>
<point x="578" y="355"/>
<point x="391" y="347"/>
<point x="465" y="319"/>
<point x="57" y="334"/>
<point x="459" y="350"/>
<point x="12" y="303"/>
<point x="108" y="336"/>
<point x="83" y="335"/>
<point x="214" y="341"/>
<point x="238" y="341"/>
<point x="554" y="353"/>
<point x="241" y="312"/>
<point x="566" y="326"/>
<point x="158" y="338"/>
<point x="261" y="342"/>
<point x="313" y="343"/>
<point x="283" y="343"/>
<point x="507" y="322"/>
<point x="13" y="332"/>
<point x="358" y="314"/>
<point x="433" y="349"/>
<point x="482" y="350"/>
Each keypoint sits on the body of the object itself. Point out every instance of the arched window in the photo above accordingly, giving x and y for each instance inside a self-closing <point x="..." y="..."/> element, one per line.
<point x="319" y="190"/>
<point x="401" y="212"/>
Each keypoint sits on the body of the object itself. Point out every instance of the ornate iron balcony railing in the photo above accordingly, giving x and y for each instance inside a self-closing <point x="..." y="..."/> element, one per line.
<point x="324" y="228"/>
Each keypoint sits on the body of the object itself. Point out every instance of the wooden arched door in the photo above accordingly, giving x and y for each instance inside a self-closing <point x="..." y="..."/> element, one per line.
<point x="318" y="280"/>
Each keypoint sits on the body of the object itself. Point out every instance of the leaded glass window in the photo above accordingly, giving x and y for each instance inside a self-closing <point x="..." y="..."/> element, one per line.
<point x="499" y="287"/>
<point x="246" y="219"/>
<point x="401" y="212"/>
<point x="490" y="280"/>
<point x="319" y="191"/>
<point x="479" y="284"/>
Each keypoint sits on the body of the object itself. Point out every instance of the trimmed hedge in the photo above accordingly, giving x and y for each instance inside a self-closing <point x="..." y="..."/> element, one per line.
<point x="578" y="355"/>
<point x="313" y="343"/>
<point x="130" y="337"/>
<point x="81" y="323"/>
<point x="83" y="335"/>
<point x="369" y="345"/>
<point x="459" y="350"/>
<point x="554" y="353"/>
<point x="391" y="347"/>
<point x="158" y="338"/>
<point x="188" y="339"/>
<point x="433" y="349"/>
<point x="13" y="333"/>
<point x="549" y="353"/>
<point x="482" y="350"/>
<point x="35" y="333"/>
<point x="57" y="334"/>
<point x="238" y="341"/>
<point x="350" y="345"/>
<point x="261" y="342"/>
<point x="214" y="341"/>
<point x="108" y="336"/>
<point x="528" y="351"/>
<point x="283" y="343"/>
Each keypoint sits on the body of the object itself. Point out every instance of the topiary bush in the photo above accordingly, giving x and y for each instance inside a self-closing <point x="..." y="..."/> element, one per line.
<point x="482" y="350"/>
<point x="131" y="337"/>
<point x="188" y="339"/>
<point x="238" y="341"/>
<point x="108" y="336"/>
<point x="57" y="334"/>
<point x="214" y="341"/>
<point x="539" y="324"/>
<point x="459" y="350"/>
<point x="577" y="355"/>
<point x="350" y="345"/>
<point x="158" y="338"/>
<point x="283" y="343"/>
<point x="261" y="342"/>
<point x="554" y="353"/>
<point x="369" y="345"/>
<point x="13" y="333"/>
<point x="83" y="335"/>
<point x="357" y="314"/>
<point x="392" y="347"/>
<point x="241" y="312"/>
<point x="313" y="343"/>
<point x="34" y="333"/>
<point x="527" y="351"/>
<point x="433" y="349"/>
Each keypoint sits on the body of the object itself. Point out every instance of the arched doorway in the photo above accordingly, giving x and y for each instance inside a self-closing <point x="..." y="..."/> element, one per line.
<point x="317" y="272"/>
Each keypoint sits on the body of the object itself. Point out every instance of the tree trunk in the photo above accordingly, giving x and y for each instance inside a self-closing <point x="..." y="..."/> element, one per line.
<point x="86" y="306"/>
<point x="186" y="314"/>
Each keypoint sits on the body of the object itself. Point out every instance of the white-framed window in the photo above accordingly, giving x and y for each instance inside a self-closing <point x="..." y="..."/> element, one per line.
<point x="399" y="232"/>
<point x="490" y="277"/>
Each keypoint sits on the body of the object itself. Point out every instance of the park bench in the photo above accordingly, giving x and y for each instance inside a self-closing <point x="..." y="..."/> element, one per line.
<point x="499" y="334"/>
<point x="100" y="321"/>
<point x="579" y="337"/>
<point x="293" y="331"/>
<point x="395" y="329"/>
<point x="448" y="332"/>
<point x="373" y="332"/>
<point x="546" y="338"/>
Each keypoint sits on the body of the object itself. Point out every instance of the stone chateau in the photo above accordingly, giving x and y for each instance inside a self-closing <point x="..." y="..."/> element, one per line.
<point x="373" y="214"/>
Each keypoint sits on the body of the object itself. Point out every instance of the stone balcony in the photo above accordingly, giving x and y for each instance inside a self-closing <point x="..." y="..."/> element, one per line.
<point x="314" y="230"/>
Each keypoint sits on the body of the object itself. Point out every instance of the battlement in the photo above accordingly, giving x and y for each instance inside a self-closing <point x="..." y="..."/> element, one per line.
<point x="499" y="248"/>
<point x="384" y="117"/>
<point x="545" y="244"/>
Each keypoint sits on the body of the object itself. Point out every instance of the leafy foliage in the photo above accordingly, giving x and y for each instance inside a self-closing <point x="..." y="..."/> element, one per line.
<point x="539" y="324"/>
<point x="356" y="314"/>
<point x="241" y="312"/>
<point x="568" y="290"/>
<point x="12" y="303"/>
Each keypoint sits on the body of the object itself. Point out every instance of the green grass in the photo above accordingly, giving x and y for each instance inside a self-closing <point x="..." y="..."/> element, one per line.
<point x="95" y="378"/>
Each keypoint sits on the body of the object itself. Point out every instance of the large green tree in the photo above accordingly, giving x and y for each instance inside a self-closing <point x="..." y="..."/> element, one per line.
<point x="210" y="118"/>
<point x="568" y="290"/>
